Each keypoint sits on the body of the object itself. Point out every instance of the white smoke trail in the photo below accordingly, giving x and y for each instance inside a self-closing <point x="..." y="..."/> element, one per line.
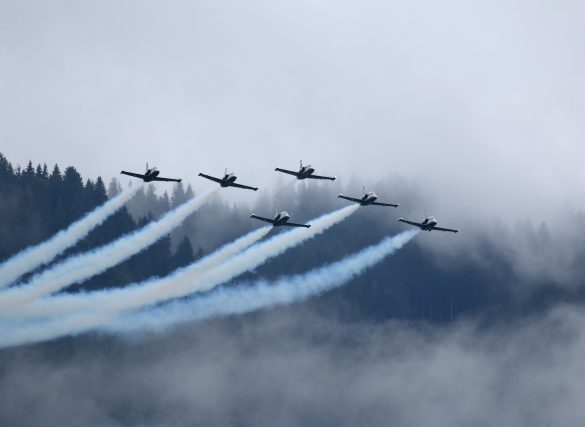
<point x="43" y="253"/>
<point x="261" y="294"/>
<point x="176" y="285"/>
<point x="66" y="304"/>
<point x="184" y="281"/>
<point x="86" y="265"/>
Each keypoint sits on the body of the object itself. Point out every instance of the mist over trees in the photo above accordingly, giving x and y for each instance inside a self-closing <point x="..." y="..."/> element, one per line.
<point x="428" y="322"/>
<point x="38" y="201"/>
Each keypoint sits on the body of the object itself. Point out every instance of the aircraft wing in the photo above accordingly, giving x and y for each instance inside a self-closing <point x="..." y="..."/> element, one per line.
<point x="212" y="178"/>
<point x="287" y="171"/>
<point x="341" y="196"/>
<point x="330" y="178"/>
<point x="245" y="187"/>
<point x="271" y="221"/>
<point x="158" y="178"/>
<point x="292" y="224"/>
<point x="416" y="224"/>
<point x="135" y="175"/>
<point x="445" y="229"/>
<point x="385" y="204"/>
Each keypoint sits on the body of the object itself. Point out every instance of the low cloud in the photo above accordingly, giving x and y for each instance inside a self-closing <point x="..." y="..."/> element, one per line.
<point x="294" y="367"/>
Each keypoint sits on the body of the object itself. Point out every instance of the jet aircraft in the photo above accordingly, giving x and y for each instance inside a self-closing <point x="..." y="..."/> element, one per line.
<point x="428" y="224"/>
<point x="151" y="174"/>
<point x="368" y="198"/>
<point x="228" y="180"/>
<point x="305" y="172"/>
<point x="279" y="220"/>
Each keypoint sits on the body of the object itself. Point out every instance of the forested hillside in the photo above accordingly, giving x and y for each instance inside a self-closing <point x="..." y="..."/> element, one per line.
<point x="36" y="204"/>
<point x="38" y="201"/>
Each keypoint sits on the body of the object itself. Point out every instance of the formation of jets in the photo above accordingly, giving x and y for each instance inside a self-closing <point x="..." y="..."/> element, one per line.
<point x="305" y="172"/>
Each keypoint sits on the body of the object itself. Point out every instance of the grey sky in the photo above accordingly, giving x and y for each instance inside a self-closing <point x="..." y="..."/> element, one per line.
<point x="480" y="101"/>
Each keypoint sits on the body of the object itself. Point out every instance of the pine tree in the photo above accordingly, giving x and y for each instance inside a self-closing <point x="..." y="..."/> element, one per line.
<point x="72" y="182"/>
<point x="6" y="171"/>
<point x="55" y="198"/>
<point x="160" y="257"/>
<point x="99" y="192"/>
<point x="152" y="202"/>
<point x="56" y="179"/>
<point x="189" y="194"/>
<point x="178" y="196"/>
<point x="114" y="188"/>
<point x="165" y="202"/>
<point x="89" y="188"/>
<point x="72" y="191"/>
<point x="184" y="254"/>
<point x="45" y="172"/>
<point x="200" y="253"/>
<point x="28" y="174"/>
<point x="156" y="260"/>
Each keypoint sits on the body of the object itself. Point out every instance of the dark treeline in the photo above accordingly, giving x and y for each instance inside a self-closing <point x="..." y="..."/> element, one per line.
<point x="37" y="201"/>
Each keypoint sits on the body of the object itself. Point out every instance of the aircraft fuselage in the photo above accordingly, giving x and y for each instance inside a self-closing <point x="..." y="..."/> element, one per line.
<point x="368" y="198"/>
<point x="281" y="218"/>
<point x="305" y="172"/>
<point x="228" y="179"/>
<point x="429" y="223"/>
<point x="150" y="174"/>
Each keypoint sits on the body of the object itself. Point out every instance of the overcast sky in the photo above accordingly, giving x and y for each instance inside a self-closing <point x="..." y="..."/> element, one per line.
<point x="482" y="102"/>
